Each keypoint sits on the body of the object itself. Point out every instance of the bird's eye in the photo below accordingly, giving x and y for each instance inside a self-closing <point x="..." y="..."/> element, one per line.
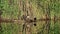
<point x="34" y="18"/>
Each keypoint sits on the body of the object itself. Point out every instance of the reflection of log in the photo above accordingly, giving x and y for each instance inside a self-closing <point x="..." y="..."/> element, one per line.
<point x="5" y="20"/>
<point x="41" y="19"/>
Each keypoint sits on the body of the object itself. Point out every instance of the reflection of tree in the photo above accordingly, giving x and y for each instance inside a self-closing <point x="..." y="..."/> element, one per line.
<point x="11" y="2"/>
<point x="46" y="10"/>
<point x="0" y="20"/>
<point x="39" y="4"/>
<point x="1" y="8"/>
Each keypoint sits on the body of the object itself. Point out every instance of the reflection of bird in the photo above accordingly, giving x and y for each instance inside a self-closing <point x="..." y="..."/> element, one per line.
<point x="29" y="20"/>
<point x="35" y="24"/>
